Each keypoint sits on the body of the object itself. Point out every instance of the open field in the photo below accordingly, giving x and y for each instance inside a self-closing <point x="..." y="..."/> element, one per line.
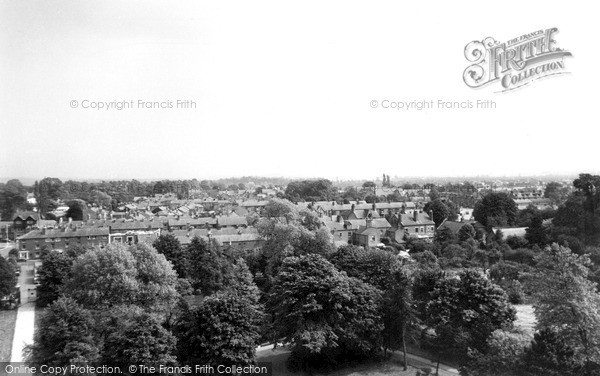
<point x="7" y="331"/>
<point x="525" y="318"/>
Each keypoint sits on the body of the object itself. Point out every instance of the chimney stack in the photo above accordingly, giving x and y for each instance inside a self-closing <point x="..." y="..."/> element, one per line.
<point x="415" y="215"/>
<point x="369" y="222"/>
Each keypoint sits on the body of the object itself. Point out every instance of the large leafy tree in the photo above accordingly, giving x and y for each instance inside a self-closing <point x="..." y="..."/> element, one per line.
<point x="47" y="191"/>
<point x="567" y="302"/>
<point x="55" y="269"/>
<point x="119" y="275"/>
<point x="170" y="247"/>
<point x="464" y="311"/>
<point x="440" y="211"/>
<point x="323" y="314"/>
<point x="207" y="266"/>
<point x="13" y="196"/>
<point x="8" y="278"/>
<point x="310" y="190"/>
<point x="496" y="209"/>
<point x="224" y="328"/>
<point x="134" y="336"/>
<point x="65" y="336"/>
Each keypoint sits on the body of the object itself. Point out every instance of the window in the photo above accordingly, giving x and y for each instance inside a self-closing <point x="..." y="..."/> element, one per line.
<point x="416" y="229"/>
<point x="372" y="238"/>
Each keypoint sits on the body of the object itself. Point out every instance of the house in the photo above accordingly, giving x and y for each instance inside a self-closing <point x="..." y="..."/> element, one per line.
<point x="30" y="245"/>
<point x="24" y="222"/>
<point x="341" y="230"/>
<point x="416" y="225"/>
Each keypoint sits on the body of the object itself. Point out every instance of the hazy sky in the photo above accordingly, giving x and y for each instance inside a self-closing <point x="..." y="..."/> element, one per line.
<point x="284" y="89"/>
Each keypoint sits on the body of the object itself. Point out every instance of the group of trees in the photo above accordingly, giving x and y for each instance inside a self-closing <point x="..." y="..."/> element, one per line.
<point x="566" y="341"/>
<point x="126" y="305"/>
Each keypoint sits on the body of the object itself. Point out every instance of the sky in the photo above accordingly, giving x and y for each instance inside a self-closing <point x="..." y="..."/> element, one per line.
<point x="285" y="89"/>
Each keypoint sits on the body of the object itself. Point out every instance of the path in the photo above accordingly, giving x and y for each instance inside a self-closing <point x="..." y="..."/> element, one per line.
<point x="24" y="325"/>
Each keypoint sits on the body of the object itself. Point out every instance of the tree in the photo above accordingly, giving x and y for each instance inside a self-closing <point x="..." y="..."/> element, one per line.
<point x="46" y="192"/>
<point x="399" y="314"/>
<point x="369" y="184"/>
<point x="555" y="192"/>
<point x="224" y="329"/>
<point x="439" y="209"/>
<point x="134" y="336"/>
<point x="549" y="355"/>
<point x="119" y="275"/>
<point x="8" y="278"/>
<point x="54" y="271"/>
<point x="496" y="210"/>
<point x="170" y="247"/>
<point x="65" y="336"/>
<point x="566" y="302"/>
<point x="464" y="311"/>
<point x="310" y="190"/>
<point x="207" y="267"/>
<point x="76" y="209"/>
<point x="324" y="315"/>
<point x="502" y="356"/>
<point x="466" y="232"/>
<point x="13" y="196"/>
<point x="536" y="233"/>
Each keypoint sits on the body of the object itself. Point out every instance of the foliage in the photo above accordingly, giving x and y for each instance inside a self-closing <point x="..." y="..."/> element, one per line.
<point x="567" y="302"/>
<point x="13" y="196"/>
<point x="54" y="271"/>
<point x="224" y="329"/>
<point x="310" y="190"/>
<point x="440" y="211"/>
<point x="8" y="278"/>
<point x="496" y="210"/>
<point x="467" y="232"/>
<point x="65" y="336"/>
<point x="119" y="275"/>
<point x="536" y="233"/>
<point x="464" y="311"/>
<point x="502" y="356"/>
<point x="169" y="246"/>
<point x="324" y="315"/>
<point x="134" y="336"/>
<point x="208" y="268"/>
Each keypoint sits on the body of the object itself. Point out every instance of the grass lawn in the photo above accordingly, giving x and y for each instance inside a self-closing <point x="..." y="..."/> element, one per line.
<point x="525" y="318"/>
<point x="390" y="367"/>
<point x="7" y="331"/>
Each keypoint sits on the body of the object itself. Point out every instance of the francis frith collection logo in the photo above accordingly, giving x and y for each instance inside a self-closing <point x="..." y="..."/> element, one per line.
<point x="515" y="63"/>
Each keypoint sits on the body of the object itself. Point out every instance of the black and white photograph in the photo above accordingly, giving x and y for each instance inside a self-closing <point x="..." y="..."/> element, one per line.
<point x="277" y="188"/>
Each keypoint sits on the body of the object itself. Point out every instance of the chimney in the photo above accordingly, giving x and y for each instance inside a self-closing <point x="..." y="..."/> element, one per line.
<point x="369" y="222"/>
<point x="60" y="221"/>
<point x="70" y="220"/>
<point x="339" y="218"/>
<point x="352" y="207"/>
<point x="415" y="215"/>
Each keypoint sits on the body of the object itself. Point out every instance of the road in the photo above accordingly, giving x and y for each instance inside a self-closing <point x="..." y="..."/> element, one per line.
<point x="5" y="248"/>
<point x="24" y="325"/>
<point x="413" y="360"/>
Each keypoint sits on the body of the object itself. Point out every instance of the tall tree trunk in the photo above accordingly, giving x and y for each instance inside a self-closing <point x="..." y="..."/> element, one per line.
<point x="437" y="366"/>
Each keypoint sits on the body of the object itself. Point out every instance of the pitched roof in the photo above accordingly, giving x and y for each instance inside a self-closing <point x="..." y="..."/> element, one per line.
<point x="23" y="215"/>
<point x="409" y="220"/>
